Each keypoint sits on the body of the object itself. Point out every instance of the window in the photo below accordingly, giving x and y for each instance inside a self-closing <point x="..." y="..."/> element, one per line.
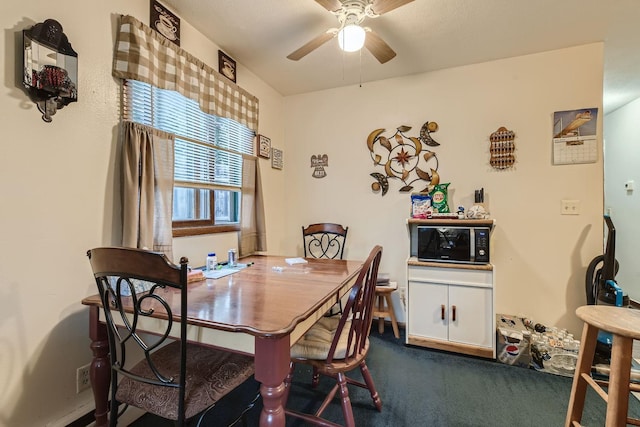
<point x="208" y="157"/>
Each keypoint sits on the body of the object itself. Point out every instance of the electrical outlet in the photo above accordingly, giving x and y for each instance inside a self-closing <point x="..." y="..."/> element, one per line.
<point x="570" y="207"/>
<point x="82" y="378"/>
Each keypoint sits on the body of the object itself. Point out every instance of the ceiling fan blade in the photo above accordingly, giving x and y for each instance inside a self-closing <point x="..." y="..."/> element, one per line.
<point x="330" y="5"/>
<point x="383" y="6"/>
<point x="378" y="47"/>
<point x="313" y="44"/>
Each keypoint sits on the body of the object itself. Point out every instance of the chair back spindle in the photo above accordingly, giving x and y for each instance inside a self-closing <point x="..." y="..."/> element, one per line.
<point x="357" y="313"/>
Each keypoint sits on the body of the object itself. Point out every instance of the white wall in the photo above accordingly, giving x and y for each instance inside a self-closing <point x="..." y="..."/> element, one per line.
<point x="60" y="196"/>
<point x="540" y="256"/>
<point x="622" y="157"/>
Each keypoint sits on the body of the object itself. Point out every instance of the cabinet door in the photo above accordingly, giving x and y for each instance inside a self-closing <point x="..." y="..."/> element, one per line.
<point x="473" y="315"/>
<point x="426" y="302"/>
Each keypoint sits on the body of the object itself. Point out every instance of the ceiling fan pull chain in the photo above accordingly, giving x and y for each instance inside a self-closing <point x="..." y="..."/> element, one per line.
<point x="360" y="71"/>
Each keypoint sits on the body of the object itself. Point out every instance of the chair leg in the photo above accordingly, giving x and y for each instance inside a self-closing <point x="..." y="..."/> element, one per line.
<point x="347" y="410"/>
<point x="366" y="375"/>
<point x="619" y="378"/>
<point x="315" y="379"/>
<point x="392" y="315"/>
<point x="113" y="410"/>
<point x="583" y="367"/>
<point x="380" y="309"/>
<point x="287" y="384"/>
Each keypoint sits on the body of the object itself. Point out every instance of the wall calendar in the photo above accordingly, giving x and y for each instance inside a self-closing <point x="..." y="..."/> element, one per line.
<point x="575" y="136"/>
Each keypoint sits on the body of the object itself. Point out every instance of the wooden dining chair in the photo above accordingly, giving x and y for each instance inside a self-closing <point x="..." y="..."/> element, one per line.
<point x="335" y="346"/>
<point x="175" y="379"/>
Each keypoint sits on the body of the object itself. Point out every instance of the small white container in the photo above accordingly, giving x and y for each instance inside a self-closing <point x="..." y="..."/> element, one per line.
<point x="212" y="261"/>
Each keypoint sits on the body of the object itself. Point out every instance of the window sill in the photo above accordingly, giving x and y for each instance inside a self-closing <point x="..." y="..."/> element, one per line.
<point x="196" y="231"/>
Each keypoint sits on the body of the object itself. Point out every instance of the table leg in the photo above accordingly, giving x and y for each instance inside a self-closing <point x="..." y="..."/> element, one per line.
<point x="272" y="357"/>
<point x="100" y="370"/>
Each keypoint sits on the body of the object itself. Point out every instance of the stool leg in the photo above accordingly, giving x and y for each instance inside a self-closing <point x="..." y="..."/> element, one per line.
<point x="392" y="315"/>
<point x="380" y="318"/>
<point x="618" y="391"/>
<point x="583" y="366"/>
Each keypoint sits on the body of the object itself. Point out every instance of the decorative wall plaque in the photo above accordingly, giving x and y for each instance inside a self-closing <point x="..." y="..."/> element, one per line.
<point x="277" y="161"/>
<point x="502" y="148"/>
<point x="264" y="146"/>
<point x="318" y="163"/>
<point x="226" y="66"/>
<point x="165" y="22"/>
<point x="404" y="157"/>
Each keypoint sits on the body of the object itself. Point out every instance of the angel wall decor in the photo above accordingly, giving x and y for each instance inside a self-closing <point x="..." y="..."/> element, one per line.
<point x="318" y="163"/>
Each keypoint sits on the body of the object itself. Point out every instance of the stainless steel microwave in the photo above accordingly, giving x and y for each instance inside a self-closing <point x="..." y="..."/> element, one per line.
<point x="459" y="244"/>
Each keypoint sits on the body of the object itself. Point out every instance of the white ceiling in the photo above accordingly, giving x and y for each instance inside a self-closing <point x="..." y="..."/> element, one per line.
<point x="427" y="35"/>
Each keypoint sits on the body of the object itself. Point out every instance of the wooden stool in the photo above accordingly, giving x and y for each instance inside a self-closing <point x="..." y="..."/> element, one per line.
<point x="383" y="293"/>
<point x="624" y="324"/>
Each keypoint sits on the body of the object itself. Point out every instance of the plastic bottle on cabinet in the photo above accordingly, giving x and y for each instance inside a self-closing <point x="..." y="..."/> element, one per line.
<point x="212" y="261"/>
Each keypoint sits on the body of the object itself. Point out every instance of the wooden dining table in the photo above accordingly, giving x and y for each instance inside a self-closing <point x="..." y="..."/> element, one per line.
<point x="262" y="309"/>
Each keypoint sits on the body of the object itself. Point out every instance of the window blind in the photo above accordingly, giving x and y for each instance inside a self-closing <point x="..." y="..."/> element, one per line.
<point x="208" y="149"/>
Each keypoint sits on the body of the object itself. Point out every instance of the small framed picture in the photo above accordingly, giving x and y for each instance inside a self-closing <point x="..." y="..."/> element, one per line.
<point x="226" y="66"/>
<point x="264" y="146"/>
<point x="276" y="158"/>
<point x="165" y="22"/>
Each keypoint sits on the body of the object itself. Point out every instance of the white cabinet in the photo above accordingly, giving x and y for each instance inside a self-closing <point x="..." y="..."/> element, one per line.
<point x="451" y="307"/>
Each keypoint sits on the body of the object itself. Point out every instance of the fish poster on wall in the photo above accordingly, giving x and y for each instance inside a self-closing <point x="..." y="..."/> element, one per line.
<point x="575" y="136"/>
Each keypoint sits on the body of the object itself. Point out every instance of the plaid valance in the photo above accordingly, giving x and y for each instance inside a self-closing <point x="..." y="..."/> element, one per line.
<point x="143" y="54"/>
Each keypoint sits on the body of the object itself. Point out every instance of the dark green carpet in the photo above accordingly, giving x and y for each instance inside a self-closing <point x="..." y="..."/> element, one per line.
<point x="421" y="387"/>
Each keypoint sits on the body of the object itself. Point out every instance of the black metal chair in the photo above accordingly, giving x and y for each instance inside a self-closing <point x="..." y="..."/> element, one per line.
<point x="175" y="379"/>
<point x="335" y="346"/>
<point x="324" y="240"/>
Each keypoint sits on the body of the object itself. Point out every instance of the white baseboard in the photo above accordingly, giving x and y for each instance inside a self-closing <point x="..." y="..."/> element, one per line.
<point x="72" y="416"/>
<point x="130" y="415"/>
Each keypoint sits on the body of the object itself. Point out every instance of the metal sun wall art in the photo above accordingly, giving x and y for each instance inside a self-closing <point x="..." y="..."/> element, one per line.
<point x="318" y="163"/>
<point x="404" y="157"/>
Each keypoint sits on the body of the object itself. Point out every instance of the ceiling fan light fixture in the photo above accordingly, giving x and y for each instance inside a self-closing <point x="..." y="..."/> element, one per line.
<point x="351" y="38"/>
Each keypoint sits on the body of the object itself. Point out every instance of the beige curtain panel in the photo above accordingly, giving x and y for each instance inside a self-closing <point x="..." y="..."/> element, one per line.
<point x="147" y="188"/>
<point x="253" y="234"/>
<point x="144" y="55"/>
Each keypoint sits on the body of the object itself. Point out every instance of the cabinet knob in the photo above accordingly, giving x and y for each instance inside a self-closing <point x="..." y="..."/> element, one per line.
<point x="442" y="311"/>
<point x="453" y="311"/>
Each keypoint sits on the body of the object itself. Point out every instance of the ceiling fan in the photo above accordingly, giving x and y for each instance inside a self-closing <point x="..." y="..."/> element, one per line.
<point x="351" y="14"/>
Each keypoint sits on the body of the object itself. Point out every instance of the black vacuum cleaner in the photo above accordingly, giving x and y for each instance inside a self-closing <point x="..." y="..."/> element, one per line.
<point x="601" y="288"/>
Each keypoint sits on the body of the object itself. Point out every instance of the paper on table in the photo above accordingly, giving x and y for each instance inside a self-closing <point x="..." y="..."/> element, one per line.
<point x="216" y="274"/>
<point x="292" y="261"/>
